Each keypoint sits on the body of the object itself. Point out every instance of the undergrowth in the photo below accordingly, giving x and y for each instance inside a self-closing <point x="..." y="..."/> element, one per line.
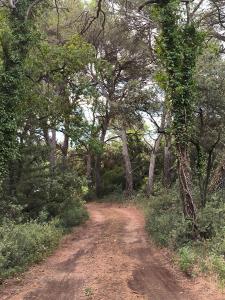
<point x="24" y="243"/>
<point x="168" y="228"/>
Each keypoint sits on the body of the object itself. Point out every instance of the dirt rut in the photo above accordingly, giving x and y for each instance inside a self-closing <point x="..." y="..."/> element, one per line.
<point x="110" y="258"/>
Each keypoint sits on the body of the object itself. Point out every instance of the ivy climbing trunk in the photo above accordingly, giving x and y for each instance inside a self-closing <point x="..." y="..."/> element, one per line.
<point x="167" y="153"/>
<point x="15" y="44"/>
<point x="167" y="163"/>
<point x="184" y="173"/>
<point x="178" y="48"/>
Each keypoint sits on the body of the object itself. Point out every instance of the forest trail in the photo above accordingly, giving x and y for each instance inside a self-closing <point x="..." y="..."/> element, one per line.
<point x="110" y="258"/>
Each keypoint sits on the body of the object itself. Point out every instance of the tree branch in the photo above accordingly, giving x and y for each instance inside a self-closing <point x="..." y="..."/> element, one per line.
<point x="30" y="8"/>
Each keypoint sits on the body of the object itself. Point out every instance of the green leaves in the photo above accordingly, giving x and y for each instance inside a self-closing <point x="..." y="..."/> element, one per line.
<point x="178" y="48"/>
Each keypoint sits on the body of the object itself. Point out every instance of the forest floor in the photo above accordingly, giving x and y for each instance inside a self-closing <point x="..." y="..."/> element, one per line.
<point x="109" y="257"/>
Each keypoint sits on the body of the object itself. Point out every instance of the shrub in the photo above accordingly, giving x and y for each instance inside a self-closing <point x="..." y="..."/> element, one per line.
<point x="73" y="214"/>
<point x="163" y="218"/>
<point x="218" y="266"/>
<point x="112" y="180"/>
<point x="23" y="244"/>
<point x="186" y="260"/>
<point x="211" y="219"/>
<point x="167" y="226"/>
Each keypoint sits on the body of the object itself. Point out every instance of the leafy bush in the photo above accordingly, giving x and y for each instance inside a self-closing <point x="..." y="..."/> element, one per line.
<point x="163" y="218"/>
<point x="40" y="191"/>
<point x="25" y="241"/>
<point x="23" y="244"/>
<point x="167" y="226"/>
<point x="211" y="219"/>
<point x="113" y="180"/>
<point x="29" y="230"/>
<point x="73" y="214"/>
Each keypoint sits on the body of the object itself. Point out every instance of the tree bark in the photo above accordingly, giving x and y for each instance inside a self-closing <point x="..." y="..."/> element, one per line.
<point x="89" y="169"/>
<point x="184" y="173"/>
<point x="98" y="159"/>
<point x="218" y="178"/>
<point x="151" y="170"/>
<point x="98" y="183"/>
<point x="51" y="142"/>
<point x="64" y="150"/>
<point x="127" y="164"/>
<point x="167" y="163"/>
<point x="52" y="155"/>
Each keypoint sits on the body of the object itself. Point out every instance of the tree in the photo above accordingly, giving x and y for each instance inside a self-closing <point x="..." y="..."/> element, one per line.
<point x="154" y="151"/>
<point x="123" y="66"/>
<point x="15" y="41"/>
<point x="208" y="135"/>
<point x="178" y="48"/>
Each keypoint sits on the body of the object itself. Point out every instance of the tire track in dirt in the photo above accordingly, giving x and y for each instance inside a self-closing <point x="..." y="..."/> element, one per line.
<point x="108" y="258"/>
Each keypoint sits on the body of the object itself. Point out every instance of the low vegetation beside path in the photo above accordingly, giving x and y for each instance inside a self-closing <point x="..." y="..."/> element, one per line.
<point x="25" y="240"/>
<point x="200" y="253"/>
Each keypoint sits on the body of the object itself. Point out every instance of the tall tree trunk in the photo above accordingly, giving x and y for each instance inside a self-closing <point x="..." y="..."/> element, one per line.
<point x="89" y="169"/>
<point x="151" y="170"/>
<point x="98" y="159"/>
<point x="155" y="149"/>
<point x="167" y="163"/>
<point x="52" y="155"/>
<point x="204" y="174"/>
<point x="51" y="142"/>
<point x="98" y="183"/>
<point x="64" y="150"/>
<point x="184" y="173"/>
<point x="127" y="164"/>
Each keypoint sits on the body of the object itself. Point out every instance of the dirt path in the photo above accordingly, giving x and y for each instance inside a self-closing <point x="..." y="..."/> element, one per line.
<point x="109" y="258"/>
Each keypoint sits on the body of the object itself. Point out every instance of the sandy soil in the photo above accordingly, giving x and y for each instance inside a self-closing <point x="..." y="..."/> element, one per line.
<point x="108" y="258"/>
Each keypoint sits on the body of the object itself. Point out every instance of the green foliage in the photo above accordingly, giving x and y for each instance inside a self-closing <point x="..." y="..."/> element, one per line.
<point x="186" y="260"/>
<point x="164" y="220"/>
<point x="23" y="244"/>
<point x="218" y="266"/>
<point x="167" y="227"/>
<point x="178" y="48"/>
<point x="113" y="180"/>
<point x="15" y="40"/>
<point x="73" y="214"/>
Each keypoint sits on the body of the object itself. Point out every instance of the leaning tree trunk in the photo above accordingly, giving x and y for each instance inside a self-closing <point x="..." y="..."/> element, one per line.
<point x="127" y="164"/>
<point x="184" y="173"/>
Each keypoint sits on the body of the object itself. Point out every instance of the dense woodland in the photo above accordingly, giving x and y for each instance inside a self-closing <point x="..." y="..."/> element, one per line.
<point x="112" y="99"/>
